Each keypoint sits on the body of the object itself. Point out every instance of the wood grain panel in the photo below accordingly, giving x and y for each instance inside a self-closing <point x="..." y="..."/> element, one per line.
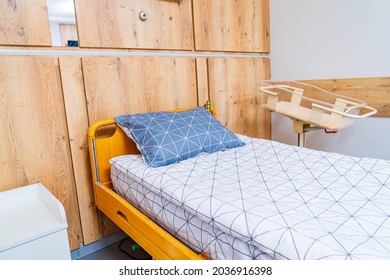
<point x="116" y="24"/>
<point x="34" y="140"/>
<point x="202" y="80"/>
<point x="124" y="85"/>
<point x="375" y="91"/>
<point x="24" y="22"/>
<point x="232" y="25"/>
<point x="77" y="120"/>
<point x="234" y="91"/>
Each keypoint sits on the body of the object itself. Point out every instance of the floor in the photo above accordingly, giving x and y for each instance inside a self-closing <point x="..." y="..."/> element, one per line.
<point x="125" y="249"/>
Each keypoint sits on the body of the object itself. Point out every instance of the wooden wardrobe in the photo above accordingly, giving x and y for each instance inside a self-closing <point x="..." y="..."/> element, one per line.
<point x="133" y="56"/>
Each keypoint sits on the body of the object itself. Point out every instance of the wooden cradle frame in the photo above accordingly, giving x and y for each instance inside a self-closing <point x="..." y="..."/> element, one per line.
<point x="150" y="236"/>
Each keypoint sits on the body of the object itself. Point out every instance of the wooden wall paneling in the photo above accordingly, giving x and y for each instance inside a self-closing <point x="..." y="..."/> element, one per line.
<point x="234" y="91"/>
<point x="202" y="80"/>
<point x="375" y="91"/>
<point x="77" y="121"/>
<point x="116" y="24"/>
<point x="24" y="22"/>
<point x="34" y="140"/>
<point x="231" y="25"/>
<point x="124" y="85"/>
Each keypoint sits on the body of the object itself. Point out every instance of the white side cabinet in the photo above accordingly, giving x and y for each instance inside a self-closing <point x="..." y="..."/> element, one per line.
<point x="33" y="225"/>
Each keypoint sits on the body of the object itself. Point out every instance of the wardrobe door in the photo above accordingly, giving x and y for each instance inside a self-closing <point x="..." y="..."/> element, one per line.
<point x="77" y="122"/>
<point x="25" y="23"/>
<point x="34" y="139"/>
<point x="144" y="24"/>
<point x="231" y="25"/>
<point x="126" y="85"/>
<point x="234" y="92"/>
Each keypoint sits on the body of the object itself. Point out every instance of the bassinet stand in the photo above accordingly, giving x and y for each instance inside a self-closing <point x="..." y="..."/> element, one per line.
<point x="307" y="113"/>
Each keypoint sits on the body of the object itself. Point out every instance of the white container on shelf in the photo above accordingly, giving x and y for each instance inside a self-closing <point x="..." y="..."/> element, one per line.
<point x="33" y="225"/>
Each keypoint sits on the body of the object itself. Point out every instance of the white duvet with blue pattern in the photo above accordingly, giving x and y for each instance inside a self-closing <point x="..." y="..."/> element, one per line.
<point x="286" y="201"/>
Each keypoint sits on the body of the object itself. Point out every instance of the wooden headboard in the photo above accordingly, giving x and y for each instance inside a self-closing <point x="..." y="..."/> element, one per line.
<point x="101" y="150"/>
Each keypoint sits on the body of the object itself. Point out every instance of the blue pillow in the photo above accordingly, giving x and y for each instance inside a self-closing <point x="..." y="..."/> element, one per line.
<point x="168" y="137"/>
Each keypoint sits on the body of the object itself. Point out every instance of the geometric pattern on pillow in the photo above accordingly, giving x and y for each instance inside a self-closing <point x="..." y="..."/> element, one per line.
<point x="167" y="137"/>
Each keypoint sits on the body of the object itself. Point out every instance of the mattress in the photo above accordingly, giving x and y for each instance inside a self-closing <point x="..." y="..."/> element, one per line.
<point x="200" y="236"/>
<point x="266" y="200"/>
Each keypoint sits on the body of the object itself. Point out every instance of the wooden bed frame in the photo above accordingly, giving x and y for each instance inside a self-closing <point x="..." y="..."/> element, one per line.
<point x="150" y="236"/>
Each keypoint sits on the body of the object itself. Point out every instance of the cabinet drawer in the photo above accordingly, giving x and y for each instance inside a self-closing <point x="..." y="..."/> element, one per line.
<point x="231" y="25"/>
<point x="144" y="24"/>
<point x="24" y="23"/>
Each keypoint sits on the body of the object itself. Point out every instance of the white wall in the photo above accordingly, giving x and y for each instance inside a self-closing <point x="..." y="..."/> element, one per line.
<point x="322" y="39"/>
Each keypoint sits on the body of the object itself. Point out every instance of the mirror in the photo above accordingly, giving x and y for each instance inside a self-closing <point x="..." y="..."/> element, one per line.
<point x="62" y="22"/>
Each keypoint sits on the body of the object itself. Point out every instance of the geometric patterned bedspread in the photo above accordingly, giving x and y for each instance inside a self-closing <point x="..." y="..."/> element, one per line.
<point x="287" y="201"/>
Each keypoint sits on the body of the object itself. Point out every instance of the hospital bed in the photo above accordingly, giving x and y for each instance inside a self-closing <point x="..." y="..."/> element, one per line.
<point x="259" y="200"/>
